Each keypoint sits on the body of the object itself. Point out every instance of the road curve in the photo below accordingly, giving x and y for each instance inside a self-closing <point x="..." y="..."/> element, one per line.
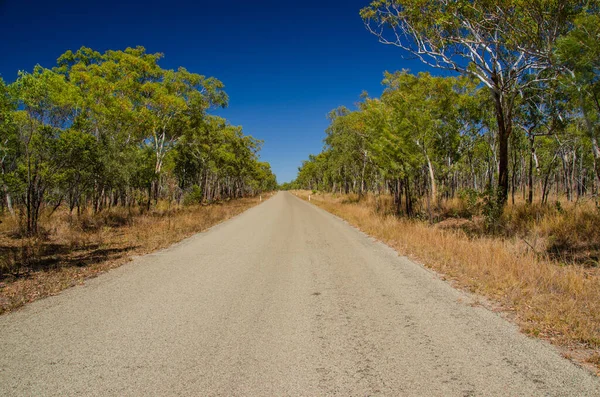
<point x="283" y="300"/>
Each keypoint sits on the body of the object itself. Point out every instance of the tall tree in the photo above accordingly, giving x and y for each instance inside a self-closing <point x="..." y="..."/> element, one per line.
<point x="169" y="101"/>
<point x="578" y="54"/>
<point x="8" y="142"/>
<point x="498" y="42"/>
<point x="48" y="103"/>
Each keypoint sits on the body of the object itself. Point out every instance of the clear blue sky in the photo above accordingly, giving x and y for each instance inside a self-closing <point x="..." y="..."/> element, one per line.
<point x="285" y="64"/>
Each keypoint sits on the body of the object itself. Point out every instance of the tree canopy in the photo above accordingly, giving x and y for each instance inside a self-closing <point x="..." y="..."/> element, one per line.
<point x="115" y="128"/>
<point x="507" y="45"/>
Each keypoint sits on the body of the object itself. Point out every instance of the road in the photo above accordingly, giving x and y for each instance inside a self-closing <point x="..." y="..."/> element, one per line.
<point x="283" y="300"/>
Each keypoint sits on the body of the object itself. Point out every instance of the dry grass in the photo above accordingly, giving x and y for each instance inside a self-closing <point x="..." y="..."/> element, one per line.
<point x="74" y="249"/>
<point x="573" y="235"/>
<point x="549" y="299"/>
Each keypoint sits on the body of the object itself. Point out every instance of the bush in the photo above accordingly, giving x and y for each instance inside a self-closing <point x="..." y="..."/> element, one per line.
<point x="9" y="265"/>
<point x="194" y="196"/>
<point x="117" y="218"/>
<point x="469" y="199"/>
<point x="492" y="211"/>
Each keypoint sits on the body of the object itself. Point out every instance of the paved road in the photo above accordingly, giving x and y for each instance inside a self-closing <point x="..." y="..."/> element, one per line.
<point x="284" y="300"/>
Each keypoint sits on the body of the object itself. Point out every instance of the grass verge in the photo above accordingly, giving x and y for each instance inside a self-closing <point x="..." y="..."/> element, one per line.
<point x="548" y="299"/>
<point x="73" y="250"/>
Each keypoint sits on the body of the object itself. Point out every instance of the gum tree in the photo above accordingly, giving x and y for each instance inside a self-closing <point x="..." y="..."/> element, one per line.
<point x="498" y="42"/>
<point x="8" y="142"/>
<point x="168" y="103"/>
<point x="578" y="54"/>
<point x="48" y="104"/>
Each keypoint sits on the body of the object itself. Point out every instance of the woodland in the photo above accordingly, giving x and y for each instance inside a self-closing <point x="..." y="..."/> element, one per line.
<point x="515" y="115"/>
<point x="115" y="129"/>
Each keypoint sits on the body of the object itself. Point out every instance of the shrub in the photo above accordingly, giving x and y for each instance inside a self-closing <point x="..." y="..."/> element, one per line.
<point x="194" y="196"/>
<point x="469" y="199"/>
<point x="492" y="211"/>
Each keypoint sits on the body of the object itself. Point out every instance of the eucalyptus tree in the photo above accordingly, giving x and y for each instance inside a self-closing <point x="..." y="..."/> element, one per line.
<point x="264" y="178"/>
<point x="419" y="124"/>
<point x="541" y="111"/>
<point x="110" y="88"/>
<point x="498" y="42"/>
<point x="349" y="152"/>
<point x="167" y="103"/>
<point x="48" y="104"/>
<point x="312" y="171"/>
<point x="409" y="98"/>
<point x="217" y="160"/>
<point x="578" y="54"/>
<point x="8" y="143"/>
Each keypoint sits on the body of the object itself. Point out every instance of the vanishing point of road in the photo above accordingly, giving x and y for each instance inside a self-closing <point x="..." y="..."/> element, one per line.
<point x="283" y="300"/>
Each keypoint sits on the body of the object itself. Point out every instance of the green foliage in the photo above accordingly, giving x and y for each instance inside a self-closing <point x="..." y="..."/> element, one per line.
<point x="420" y="123"/>
<point x="521" y="120"/>
<point x="102" y="129"/>
<point x="503" y="44"/>
<point x="470" y="198"/>
<point x="193" y="196"/>
<point x="212" y="149"/>
<point x="492" y="210"/>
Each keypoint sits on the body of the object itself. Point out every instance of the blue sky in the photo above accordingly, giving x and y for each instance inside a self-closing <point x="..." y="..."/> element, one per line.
<point x="285" y="64"/>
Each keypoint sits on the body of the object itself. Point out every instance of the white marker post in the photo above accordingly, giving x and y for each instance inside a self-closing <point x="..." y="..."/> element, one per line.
<point x="309" y="197"/>
<point x="260" y="198"/>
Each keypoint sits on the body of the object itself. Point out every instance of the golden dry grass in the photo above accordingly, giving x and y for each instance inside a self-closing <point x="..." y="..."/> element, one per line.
<point x="551" y="300"/>
<point x="73" y="250"/>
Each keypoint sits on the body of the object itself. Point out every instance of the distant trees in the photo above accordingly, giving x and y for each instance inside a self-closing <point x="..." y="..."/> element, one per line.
<point x="220" y="160"/>
<point x="114" y="128"/>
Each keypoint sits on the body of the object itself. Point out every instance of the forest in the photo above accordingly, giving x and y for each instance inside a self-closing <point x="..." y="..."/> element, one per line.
<point x="514" y="116"/>
<point x="115" y="129"/>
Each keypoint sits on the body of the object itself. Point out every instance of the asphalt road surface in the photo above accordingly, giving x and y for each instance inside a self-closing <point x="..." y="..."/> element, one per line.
<point x="284" y="300"/>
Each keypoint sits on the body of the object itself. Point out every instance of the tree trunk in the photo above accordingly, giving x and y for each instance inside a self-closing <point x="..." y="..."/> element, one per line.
<point x="530" y="176"/>
<point x="9" y="203"/>
<point x="593" y="139"/>
<point x="398" y="196"/>
<point x="362" y="175"/>
<point x="431" y="180"/>
<point x="504" y="121"/>
<point x="407" y="198"/>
